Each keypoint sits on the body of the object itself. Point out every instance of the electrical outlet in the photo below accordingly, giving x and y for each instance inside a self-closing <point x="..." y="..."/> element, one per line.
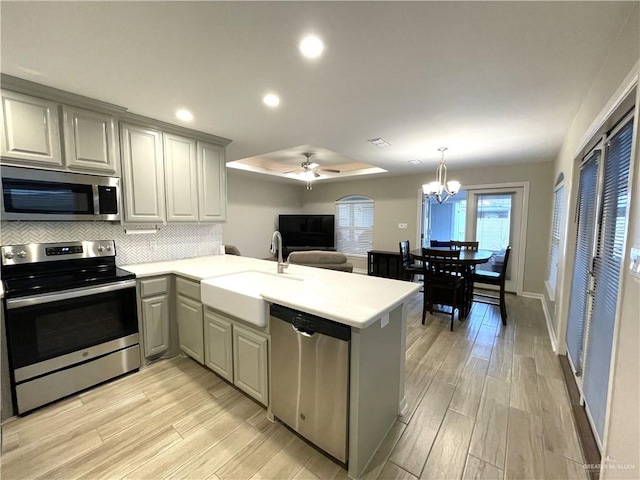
<point x="634" y="265"/>
<point x="402" y="226"/>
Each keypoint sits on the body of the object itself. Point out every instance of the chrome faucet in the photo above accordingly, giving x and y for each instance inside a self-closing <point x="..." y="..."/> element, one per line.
<point x="276" y="246"/>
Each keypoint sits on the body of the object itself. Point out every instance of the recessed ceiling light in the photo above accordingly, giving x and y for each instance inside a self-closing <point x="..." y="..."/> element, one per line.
<point x="311" y="46"/>
<point x="271" y="100"/>
<point x="184" y="115"/>
<point x="379" y="142"/>
<point x="415" y="162"/>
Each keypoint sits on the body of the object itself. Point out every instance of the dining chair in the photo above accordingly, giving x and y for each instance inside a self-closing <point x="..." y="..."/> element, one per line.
<point x="456" y="245"/>
<point x="469" y="270"/>
<point x="408" y="268"/>
<point x="494" y="278"/>
<point x="440" y="243"/>
<point x="443" y="282"/>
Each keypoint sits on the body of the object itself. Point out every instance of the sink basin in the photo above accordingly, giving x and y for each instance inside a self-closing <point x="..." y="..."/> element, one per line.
<point x="239" y="294"/>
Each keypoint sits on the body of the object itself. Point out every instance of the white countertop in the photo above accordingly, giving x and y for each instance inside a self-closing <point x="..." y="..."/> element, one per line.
<point x="349" y="298"/>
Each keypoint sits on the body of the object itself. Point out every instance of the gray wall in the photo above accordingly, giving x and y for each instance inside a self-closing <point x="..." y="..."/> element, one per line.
<point x="396" y="201"/>
<point x="253" y="204"/>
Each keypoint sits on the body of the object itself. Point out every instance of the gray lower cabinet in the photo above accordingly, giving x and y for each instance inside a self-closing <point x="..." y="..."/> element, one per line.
<point x="238" y="353"/>
<point x="30" y="130"/>
<point x="218" y="347"/>
<point x="250" y="363"/>
<point x="155" y="312"/>
<point x="189" y="313"/>
<point x="155" y="304"/>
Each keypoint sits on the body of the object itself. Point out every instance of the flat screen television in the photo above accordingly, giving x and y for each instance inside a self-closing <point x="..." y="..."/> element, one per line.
<point x="307" y="230"/>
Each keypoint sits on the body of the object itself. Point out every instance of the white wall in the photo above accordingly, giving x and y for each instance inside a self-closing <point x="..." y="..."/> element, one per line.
<point x="622" y="432"/>
<point x="254" y="202"/>
<point x="396" y="201"/>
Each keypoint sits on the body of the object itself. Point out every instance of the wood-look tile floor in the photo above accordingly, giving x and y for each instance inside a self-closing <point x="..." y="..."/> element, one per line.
<point x="485" y="402"/>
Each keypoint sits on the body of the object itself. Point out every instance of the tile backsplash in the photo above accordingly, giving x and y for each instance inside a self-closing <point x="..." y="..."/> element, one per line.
<point x="172" y="242"/>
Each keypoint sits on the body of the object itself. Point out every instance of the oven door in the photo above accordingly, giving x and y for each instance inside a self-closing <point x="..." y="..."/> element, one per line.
<point x="50" y="332"/>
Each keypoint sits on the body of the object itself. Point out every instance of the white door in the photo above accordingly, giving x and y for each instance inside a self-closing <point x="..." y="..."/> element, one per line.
<point x="495" y="218"/>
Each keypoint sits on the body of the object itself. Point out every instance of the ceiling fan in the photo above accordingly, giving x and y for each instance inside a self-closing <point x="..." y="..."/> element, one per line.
<point x="309" y="170"/>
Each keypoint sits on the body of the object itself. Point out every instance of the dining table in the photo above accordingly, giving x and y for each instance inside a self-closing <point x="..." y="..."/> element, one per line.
<point x="467" y="257"/>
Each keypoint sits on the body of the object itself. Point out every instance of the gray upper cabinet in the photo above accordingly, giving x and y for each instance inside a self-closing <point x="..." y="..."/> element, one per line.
<point x="167" y="170"/>
<point x="143" y="174"/>
<point x="212" y="186"/>
<point x="30" y="130"/>
<point x="181" y="178"/>
<point x="90" y="141"/>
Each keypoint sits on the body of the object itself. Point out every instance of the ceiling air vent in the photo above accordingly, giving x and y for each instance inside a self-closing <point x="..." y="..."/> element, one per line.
<point x="379" y="142"/>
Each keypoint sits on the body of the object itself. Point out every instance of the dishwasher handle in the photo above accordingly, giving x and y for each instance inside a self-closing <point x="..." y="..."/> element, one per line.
<point x="309" y="323"/>
<point x="304" y="333"/>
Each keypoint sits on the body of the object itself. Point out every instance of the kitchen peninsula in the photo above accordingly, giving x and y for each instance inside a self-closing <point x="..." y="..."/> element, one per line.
<point x="374" y="308"/>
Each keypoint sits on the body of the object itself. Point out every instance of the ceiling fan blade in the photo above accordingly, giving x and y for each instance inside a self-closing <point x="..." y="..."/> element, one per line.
<point x="315" y="174"/>
<point x="329" y="170"/>
<point x="291" y="171"/>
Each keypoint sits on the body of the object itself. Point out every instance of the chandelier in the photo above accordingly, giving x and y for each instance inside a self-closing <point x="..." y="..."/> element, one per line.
<point x="440" y="189"/>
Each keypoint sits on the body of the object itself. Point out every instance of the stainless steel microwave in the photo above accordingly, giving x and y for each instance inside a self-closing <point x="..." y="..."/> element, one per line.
<point x="31" y="194"/>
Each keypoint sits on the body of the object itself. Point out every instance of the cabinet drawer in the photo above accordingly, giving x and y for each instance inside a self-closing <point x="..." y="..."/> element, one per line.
<point x="188" y="288"/>
<point x="154" y="286"/>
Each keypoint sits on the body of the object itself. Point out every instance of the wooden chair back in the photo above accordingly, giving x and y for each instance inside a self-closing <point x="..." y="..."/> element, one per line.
<point x="440" y="243"/>
<point x="404" y="253"/>
<point x="456" y="245"/>
<point x="442" y="266"/>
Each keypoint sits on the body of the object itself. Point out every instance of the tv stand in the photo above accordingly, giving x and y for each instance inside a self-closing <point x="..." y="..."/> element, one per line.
<point x="287" y="250"/>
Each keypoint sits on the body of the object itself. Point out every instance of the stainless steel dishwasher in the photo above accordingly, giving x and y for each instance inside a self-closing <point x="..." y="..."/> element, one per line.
<point x="310" y="377"/>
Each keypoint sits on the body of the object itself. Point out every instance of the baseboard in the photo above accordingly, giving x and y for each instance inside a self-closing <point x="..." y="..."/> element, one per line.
<point x="360" y="271"/>
<point x="547" y="317"/>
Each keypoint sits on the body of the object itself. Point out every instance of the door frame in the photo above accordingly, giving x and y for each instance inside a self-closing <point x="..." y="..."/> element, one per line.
<point x="523" y="222"/>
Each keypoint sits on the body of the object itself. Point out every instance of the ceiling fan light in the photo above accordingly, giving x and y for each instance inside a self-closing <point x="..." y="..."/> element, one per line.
<point x="307" y="175"/>
<point x="313" y="165"/>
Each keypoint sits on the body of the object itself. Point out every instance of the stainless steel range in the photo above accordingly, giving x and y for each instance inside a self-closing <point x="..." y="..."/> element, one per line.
<point x="71" y="319"/>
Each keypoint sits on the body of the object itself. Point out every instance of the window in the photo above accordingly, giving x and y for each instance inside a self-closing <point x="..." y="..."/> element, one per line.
<point x="354" y="224"/>
<point x="554" y="248"/>
<point x="603" y="200"/>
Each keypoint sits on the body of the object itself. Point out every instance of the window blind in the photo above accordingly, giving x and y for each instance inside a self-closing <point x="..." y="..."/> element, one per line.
<point x="607" y="265"/>
<point x="354" y="225"/>
<point x="578" y="300"/>
<point x="554" y="249"/>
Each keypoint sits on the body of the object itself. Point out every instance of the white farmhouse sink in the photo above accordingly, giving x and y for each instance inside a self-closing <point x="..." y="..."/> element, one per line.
<point x="239" y="294"/>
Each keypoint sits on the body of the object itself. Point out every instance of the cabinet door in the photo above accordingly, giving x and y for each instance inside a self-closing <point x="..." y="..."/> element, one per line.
<point x="30" y="130"/>
<point x="212" y="183"/>
<point x="90" y="143"/>
<point x="250" y="363"/>
<point x="181" y="179"/>
<point x="155" y="324"/>
<point x="190" y="329"/>
<point x="142" y="174"/>
<point x="217" y="345"/>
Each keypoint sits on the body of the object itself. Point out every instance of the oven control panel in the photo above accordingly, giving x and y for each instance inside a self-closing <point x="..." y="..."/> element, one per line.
<point x="62" y="250"/>
<point x="46" y="252"/>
